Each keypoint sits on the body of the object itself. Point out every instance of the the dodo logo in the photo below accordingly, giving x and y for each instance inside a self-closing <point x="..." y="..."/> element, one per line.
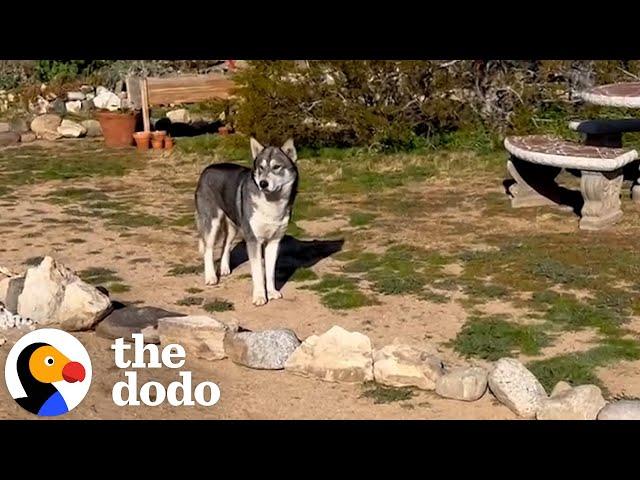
<point x="48" y="372"/>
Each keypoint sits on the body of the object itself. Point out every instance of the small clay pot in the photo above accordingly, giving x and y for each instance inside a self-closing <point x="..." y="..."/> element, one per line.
<point x="223" y="130"/>
<point x="157" y="142"/>
<point x="168" y="143"/>
<point x="142" y="140"/>
<point x="159" y="134"/>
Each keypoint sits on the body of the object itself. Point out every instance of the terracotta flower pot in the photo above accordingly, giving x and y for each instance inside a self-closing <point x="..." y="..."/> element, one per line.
<point x="142" y="140"/>
<point x="117" y="128"/>
<point x="159" y="134"/>
<point x="157" y="142"/>
<point x="223" y="131"/>
<point x="168" y="143"/>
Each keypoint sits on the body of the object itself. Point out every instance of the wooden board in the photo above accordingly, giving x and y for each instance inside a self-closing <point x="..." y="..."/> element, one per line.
<point x="188" y="89"/>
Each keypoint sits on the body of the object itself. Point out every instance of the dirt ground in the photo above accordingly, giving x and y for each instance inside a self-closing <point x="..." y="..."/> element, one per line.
<point x="453" y="213"/>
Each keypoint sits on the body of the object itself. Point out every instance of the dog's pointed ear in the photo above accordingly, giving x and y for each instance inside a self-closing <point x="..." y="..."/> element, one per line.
<point x="290" y="150"/>
<point x="256" y="148"/>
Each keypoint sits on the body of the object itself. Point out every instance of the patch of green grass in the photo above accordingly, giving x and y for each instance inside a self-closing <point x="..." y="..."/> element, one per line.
<point x="73" y="195"/>
<point x="307" y="208"/>
<point x="556" y="271"/>
<point x="218" y="305"/>
<point x="33" y="261"/>
<point x="571" y="314"/>
<point x="194" y="290"/>
<point x="381" y="394"/>
<point x="99" y="275"/>
<point x="580" y="368"/>
<point x="35" y="164"/>
<point x="183" y="221"/>
<point x="234" y="148"/>
<point x="294" y="230"/>
<point x="303" y="275"/>
<point x="117" y="287"/>
<point x="492" y="338"/>
<point x="401" y="269"/>
<point x="359" y="219"/>
<point x="341" y="293"/>
<point x="132" y="220"/>
<point x="178" y="270"/>
<point x="187" y="301"/>
<point x="479" y="291"/>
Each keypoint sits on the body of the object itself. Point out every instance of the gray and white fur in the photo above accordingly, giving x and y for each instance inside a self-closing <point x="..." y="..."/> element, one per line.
<point x="255" y="202"/>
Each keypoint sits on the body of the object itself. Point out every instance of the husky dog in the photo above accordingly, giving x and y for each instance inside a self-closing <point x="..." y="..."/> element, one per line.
<point x="255" y="202"/>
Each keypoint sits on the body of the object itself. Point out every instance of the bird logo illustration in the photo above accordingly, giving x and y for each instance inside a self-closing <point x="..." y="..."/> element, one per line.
<point x="49" y="375"/>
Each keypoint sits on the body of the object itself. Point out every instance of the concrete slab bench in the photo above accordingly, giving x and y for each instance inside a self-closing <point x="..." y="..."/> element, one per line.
<point x="536" y="161"/>
<point x="605" y="132"/>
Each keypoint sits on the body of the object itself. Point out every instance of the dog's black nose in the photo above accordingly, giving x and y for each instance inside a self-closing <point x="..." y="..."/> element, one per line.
<point x="263" y="184"/>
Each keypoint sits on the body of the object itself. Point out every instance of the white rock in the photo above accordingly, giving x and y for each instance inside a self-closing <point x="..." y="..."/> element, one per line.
<point x="466" y="383"/>
<point x="12" y="320"/>
<point x="75" y="96"/>
<point x="74" y="106"/>
<point x="201" y="336"/>
<point x="400" y="365"/>
<point x="70" y="129"/>
<point x="106" y="100"/>
<point x="180" y="115"/>
<point x="46" y="126"/>
<point x="621" y="410"/>
<point x="55" y="296"/>
<point x="5" y="127"/>
<point x="335" y="356"/>
<point x="516" y="387"/>
<point x="102" y="90"/>
<point x="579" y="403"/>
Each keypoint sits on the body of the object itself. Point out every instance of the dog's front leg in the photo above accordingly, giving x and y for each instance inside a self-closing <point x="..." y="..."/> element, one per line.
<point x="254" y="250"/>
<point x="270" y="258"/>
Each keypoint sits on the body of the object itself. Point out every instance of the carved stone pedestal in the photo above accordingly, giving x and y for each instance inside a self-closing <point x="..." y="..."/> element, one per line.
<point x="601" y="193"/>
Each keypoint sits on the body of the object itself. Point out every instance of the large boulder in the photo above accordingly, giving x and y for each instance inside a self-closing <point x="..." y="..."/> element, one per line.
<point x="201" y="336"/>
<point x="579" y="403"/>
<point x="71" y="129"/>
<point x="46" y="126"/>
<point x="93" y="128"/>
<point x="398" y="365"/>
<point x="466" y="383"/>
<point x="516" y="387"/>
<point x="335" y="356"/>
<point x="621" y="410"/>
<point x="265" y="350"/>
<point x="105" y="99"/>
<point x="55" y="296"/>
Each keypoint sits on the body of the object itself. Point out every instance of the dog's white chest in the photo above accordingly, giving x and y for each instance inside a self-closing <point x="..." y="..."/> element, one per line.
<point x="269" y="220"/>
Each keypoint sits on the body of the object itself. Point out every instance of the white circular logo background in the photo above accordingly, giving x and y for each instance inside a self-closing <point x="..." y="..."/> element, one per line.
<point x="68" y="345"/>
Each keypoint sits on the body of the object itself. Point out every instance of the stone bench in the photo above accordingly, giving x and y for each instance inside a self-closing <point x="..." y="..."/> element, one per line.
<point x="605" y="132"/>
<point x="536" y="161"/>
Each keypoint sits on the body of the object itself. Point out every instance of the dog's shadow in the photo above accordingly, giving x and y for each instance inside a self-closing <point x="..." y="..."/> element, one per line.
<point x="293" y="254"/>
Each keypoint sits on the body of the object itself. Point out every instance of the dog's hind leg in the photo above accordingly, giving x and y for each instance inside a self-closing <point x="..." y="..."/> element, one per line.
<point x="225" y="267"/>
<point x="270" y="258"/>
<point x="254" y="249"/>
<point x="210" y="277"/>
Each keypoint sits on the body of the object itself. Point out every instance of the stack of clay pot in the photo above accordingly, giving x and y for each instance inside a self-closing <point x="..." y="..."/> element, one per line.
<point x="158" y="140"/>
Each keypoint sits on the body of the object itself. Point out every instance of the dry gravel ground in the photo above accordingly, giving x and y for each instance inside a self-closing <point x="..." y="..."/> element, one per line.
<point x="129" y="218"/>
